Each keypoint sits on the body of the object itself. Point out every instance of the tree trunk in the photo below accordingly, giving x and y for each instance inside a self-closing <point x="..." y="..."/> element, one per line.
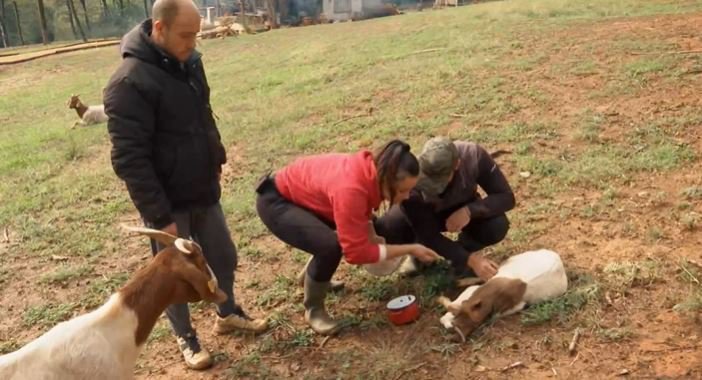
<point x="19" y="24"/>
<point x="146" y="8"/>
<point x="42" y="21"/>
<point x="272" y="20"/>
<point x="72" y="9"/>
<point x="242" y="12"/>
<point x="70" y="19"/>
<point x="105" y="9"/>
<point x="3" y="26"/>
<point x="121" y="7"/>
<point x="85" y="15"/>
<point x="2" y="34"/>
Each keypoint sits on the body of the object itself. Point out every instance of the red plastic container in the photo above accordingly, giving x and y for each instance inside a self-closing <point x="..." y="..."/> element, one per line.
<point x="403" y="310"/>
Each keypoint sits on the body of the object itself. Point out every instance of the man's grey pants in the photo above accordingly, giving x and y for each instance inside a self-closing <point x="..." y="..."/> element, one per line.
<point x="208" y="227"/>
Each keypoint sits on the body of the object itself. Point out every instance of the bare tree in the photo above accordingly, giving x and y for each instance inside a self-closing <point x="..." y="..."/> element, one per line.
<point x="85" y="15"/>
<point x="19" y="24"/>
<point x="105" y="9"/>
<point x="42" y="21"/>
<point x="72" y="7"/>
<point x="70" y="19"/>
<point x="3" y="27"/>
<point x="272" y="20"/>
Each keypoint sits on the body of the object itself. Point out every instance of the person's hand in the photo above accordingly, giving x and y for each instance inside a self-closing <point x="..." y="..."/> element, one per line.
<point x="372" y="236"/>
<point x="458" y="220"/>
<point x="424" y="254"/>
<point x="171" y="229"/>
<point x="482" y="266"/>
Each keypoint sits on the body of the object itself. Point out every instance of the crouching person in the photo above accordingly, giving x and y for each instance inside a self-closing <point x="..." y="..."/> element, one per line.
<point x="323" y="205"/>
<point x="446" y="199"/>
<point x="167" y="149"/>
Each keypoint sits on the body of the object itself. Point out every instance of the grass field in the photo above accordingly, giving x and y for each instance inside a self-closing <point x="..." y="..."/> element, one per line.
<point x="598" y="101"/>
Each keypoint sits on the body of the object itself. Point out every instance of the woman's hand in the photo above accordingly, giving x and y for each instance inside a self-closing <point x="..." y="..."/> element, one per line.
<point x="424" y="254"/>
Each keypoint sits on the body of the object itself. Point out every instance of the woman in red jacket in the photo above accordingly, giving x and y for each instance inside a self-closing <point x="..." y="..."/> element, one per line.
<point x="323" y="205"/>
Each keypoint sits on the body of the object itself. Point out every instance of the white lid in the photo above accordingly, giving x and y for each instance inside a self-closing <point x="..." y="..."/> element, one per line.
<point x="401" y="302"/>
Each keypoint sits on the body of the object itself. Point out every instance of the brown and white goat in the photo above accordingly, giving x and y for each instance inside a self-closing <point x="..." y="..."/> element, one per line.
<point x="524" y="279"/>
<point x="88" y="114"/>
<point x="105" y="343"/>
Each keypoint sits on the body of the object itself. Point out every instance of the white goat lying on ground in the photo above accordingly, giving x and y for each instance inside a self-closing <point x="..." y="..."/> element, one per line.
<point x="105" y="343"/>
<point x="524" y="279"/>
<point x="88" y="114"/>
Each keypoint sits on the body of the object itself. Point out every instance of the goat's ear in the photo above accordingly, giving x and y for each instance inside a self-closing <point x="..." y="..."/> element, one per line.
<point x="184" y="246"/>
<point x="509" y="295"/>
<point x="201" y="283"/>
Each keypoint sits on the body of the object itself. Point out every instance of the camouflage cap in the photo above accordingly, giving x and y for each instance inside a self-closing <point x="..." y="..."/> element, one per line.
<point x="436" y="162"/>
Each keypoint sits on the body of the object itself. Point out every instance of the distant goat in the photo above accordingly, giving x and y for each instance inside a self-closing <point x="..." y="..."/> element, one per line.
<point x="105" y="343"/>
<point x="524" y="279"/>
<point x="88" y="114"/>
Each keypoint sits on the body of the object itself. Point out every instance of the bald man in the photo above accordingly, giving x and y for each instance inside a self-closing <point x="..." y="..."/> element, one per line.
<point x="168" y="151"/>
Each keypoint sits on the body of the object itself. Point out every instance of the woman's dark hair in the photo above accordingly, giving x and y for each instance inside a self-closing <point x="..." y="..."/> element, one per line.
<point x="394" y="162"/>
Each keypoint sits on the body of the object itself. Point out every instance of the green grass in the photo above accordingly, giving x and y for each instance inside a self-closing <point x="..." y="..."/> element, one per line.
<point x="47" y="315"/>
<point x="615" y="334"/>
<point x="65" y="274"/>
<point x="279" y="292"/>
<point x="583" y="290"/>
<point x="100" y="289"/>
<point x="9" y="346"/>
<point x="690" y="275"/>
<point x="621" y="276"/>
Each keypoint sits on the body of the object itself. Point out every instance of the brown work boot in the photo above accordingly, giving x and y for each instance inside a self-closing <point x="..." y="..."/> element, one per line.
<point x="239" y="321"/>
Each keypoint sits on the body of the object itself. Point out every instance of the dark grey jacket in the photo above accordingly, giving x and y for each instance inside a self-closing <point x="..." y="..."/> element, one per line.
<point x="165" y="143"/>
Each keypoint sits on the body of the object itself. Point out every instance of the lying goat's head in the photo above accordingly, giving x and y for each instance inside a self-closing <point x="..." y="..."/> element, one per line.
<point x="184" y="261"/>
<point x="74" y="101"/>
<point x="497" y="295"/>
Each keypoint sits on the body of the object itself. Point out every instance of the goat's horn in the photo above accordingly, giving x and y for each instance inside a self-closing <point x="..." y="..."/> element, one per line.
<point x="162" y="237"/>
<point x="460" y="333"/>
<point x="184" y="245"/>
<point x="213" y="284"/>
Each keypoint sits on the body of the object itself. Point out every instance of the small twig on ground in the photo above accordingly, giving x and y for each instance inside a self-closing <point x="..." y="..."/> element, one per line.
<point x="555" y="373"/>
<point x="694" y="279"/>
<point x="423" y="51"/>
<point x="574" y="360"/>
<point x="623" y="372"/>
<point x="324" y="341"/>
<point x="513" y="365"/>
<point x="574" y="341"/>
<point x="349" y="118"/>
<point x="668" y="52"/>
<point x="281" y="357"/>
<point x="608" y="298"/>
<point x="458" y="115"/>
<point x="6" y="236"/>
<point x="410" y="369"/>
<point x="158" y="369"/>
